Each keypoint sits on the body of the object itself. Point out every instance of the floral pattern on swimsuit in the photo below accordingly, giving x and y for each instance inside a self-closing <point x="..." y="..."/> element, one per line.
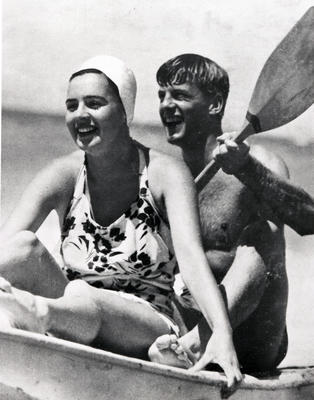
<point x="129" y="255"/>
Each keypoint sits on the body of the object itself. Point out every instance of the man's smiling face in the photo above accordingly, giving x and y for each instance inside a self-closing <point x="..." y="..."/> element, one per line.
<point x="183" y="111"/>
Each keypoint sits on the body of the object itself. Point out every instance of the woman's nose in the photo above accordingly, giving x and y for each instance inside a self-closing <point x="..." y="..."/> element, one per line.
<point x="82" y="111"/>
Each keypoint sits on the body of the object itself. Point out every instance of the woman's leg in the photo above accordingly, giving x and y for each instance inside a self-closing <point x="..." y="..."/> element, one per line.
<point x="86" y="315"/>
<point x="28" y="265"/>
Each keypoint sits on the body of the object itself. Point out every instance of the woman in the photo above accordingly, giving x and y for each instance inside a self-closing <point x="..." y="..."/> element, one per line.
<point x="114" y="287"/>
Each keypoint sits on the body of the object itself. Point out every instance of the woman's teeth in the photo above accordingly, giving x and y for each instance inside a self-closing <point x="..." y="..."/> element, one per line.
<point x="86" y="130"/>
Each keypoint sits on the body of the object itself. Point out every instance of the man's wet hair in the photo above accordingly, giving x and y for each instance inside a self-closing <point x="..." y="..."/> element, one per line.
<point x="208" y="76"/>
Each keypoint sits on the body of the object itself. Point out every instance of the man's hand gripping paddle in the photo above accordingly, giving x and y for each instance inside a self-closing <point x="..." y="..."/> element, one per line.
<point x="284" y="89"/>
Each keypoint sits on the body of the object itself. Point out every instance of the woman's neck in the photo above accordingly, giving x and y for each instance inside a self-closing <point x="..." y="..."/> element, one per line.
<point x="120" y="162"/>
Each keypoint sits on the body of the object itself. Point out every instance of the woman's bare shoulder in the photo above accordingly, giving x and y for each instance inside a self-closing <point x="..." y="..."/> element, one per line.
<point x="167" y="172"/>
<point x="166" y="164"/>
<point x="69" y="163"/>
<point x="55" y="182"/>
<point x="51" y="189"/>
<point x="63" y="169"/>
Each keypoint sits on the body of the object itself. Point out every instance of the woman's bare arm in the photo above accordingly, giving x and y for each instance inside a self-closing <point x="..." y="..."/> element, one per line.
<point x="48" y="191"/>
<point x="171" y="179"/>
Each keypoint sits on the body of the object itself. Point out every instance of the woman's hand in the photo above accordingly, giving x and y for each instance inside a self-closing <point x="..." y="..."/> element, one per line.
<point x="230" y="155"/>
<point x="220" y="350"/>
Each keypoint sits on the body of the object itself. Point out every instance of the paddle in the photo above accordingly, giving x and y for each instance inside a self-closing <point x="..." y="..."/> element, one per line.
<point x="284" y="89"/>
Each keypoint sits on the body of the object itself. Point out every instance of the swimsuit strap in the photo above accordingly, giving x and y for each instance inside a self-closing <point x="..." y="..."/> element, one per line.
<point x="142" y="167"/>
<point x="143" y="149"/>
<point x="144" y="189"/>
<point x="80" y="185"/>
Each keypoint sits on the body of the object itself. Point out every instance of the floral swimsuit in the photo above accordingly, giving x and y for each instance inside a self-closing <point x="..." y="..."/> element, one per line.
<point x="129" y="255"/>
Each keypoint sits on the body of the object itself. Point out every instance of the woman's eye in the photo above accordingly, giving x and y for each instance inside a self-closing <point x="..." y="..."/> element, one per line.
<point x="71" y="106"/>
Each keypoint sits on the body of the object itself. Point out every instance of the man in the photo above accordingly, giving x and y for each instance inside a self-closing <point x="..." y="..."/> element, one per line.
<point x="282" y="201"/>
<point x="246" y="251"/>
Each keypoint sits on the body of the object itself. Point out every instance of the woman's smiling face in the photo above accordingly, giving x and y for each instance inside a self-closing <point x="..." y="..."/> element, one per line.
<point x="94" y="113"/>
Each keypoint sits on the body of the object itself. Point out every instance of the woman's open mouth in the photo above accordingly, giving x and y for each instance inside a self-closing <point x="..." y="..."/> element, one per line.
<point x="86" y="133"/>
<point x="86" y="130"/>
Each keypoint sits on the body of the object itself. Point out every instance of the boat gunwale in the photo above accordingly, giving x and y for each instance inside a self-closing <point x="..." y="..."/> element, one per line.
<point x="305" y="377"/>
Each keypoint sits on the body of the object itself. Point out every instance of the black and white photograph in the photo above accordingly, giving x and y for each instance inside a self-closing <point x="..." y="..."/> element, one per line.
<point x="157" y="200"/>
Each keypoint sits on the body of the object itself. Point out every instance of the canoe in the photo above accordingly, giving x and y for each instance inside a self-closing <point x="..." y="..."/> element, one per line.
<point x="37" y="367"/>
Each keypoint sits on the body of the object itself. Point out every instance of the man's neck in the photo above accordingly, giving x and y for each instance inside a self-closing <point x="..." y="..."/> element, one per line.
<point x="199" y="154"/>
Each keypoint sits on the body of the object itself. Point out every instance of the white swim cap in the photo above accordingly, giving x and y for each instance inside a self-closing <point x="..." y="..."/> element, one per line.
<point x="121" y="75"/>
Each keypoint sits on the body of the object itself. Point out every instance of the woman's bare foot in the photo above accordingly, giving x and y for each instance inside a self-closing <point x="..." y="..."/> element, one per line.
<point x="170" y="350"/>
<point x="21" y="309"/>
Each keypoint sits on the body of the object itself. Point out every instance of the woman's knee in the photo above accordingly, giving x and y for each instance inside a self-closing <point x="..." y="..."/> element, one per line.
<point x="80" y="298"/>
<point x="81" y="292"/>
<point x="78" y="288"/>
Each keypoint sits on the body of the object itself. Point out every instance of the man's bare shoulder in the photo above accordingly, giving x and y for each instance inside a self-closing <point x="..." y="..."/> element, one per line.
<point x="270" y="160"/>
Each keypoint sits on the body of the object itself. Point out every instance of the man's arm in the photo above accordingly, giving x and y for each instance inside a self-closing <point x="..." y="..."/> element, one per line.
<point x="289" y="203"/>
<point x="280" y="200"/>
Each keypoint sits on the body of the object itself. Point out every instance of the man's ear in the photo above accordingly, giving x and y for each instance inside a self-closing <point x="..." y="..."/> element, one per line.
<point x="216" y="105"/>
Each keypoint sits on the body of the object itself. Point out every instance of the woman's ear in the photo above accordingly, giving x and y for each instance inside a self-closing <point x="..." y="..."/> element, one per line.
<point x="216" y="105"/>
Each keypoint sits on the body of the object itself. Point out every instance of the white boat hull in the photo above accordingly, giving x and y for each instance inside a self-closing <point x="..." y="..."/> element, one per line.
<point x="38" y="367"/>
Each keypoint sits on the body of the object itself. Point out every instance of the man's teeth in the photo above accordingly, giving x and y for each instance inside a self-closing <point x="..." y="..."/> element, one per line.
<point x="173" y="121"/>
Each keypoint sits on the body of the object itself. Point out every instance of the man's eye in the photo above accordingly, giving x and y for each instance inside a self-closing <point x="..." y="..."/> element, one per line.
<point x="180" y="96"/>
<point x="93" y="104"/>
<point x="161" y="96"/>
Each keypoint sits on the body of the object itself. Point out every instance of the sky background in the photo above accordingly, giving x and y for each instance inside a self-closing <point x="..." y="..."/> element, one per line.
<point x="44" y="40"/>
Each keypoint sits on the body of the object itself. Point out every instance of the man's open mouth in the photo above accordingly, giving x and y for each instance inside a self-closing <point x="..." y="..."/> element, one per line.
<point x="172" y="121"/>
<point x="173" y="126"/>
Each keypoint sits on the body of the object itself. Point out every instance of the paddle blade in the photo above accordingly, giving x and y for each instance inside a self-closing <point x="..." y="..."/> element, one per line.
<point x="285" y="87"/>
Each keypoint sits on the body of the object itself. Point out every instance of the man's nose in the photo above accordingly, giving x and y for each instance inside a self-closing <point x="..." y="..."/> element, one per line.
<point x="168" y="102"/>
